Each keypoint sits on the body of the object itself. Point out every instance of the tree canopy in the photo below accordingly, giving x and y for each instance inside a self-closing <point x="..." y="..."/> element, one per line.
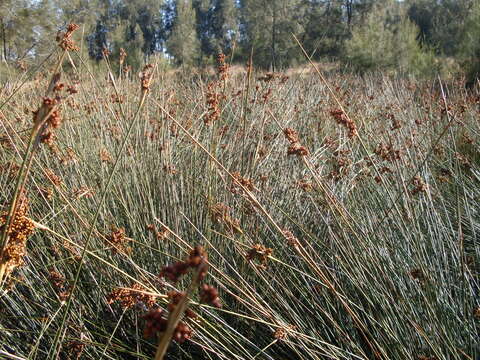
<point x="366" y="34"/>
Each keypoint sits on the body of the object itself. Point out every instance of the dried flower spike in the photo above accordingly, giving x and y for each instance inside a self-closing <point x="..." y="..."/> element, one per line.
<point x="21" y="228"/>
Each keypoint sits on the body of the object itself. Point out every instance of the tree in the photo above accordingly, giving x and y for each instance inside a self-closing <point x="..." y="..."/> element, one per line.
<point x="267" y="28"/>
<point x="22" y="28"/>
<point x="386" y="41"/>
<point x="147" y="15"/>
<point x="217" y="25"/>
<point x="441" y="22"/>
<point x="470" y="45"/>
<point x="326" y="27"/>
<point x="183" y="44"/>
<point x="224" y="25"/>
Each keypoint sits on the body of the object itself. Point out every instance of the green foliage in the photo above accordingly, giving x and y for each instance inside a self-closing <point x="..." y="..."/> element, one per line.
<point x="129" y="37"/>
<point x="217" y="26"/>
<point x="367" y="34"/>
<point x="387" y="40"/>
<point x="183" y="43"/>
<point x="25" y="31"/>
<point x="470" y="46"/>
<point x="268" y="29"/>
<point x="441" y="23"/>
<point x="325" y="31"/>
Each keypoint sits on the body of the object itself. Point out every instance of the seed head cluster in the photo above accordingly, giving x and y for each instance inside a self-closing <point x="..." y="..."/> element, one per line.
<point x="222" y="66"/>
<point x="220" y="214"/>
<point x="64" y="39"/>
<point x="342" y="118"/>
<point x="196" y="260"/>
<point x="155" y="321"/>
<point x="146" y="77"/>
<point x="136" y="295"/>
<point x="21" y="228"/>
<point x="117" y="241"/>
<point x="61" y="286"/>
<point x="260" y="253"/>
<point x="295" y="147"/>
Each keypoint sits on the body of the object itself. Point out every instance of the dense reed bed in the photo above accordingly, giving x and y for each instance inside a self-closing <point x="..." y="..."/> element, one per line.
<point x="340" y="216"/>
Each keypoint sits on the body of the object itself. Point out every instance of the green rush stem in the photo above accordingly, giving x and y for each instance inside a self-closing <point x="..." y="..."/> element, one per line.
<point x="301" y="251"/>
<point x="357" y="135"/>
<point x="245" y="105"/>
<point x="51" y="354"/>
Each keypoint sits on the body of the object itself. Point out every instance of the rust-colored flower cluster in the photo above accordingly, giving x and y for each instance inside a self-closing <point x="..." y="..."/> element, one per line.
<point x="417" y="274"/>
<point x="75" y="349"/>
<point x="137" y="295"/>
<point x="49" y="117"/>
<point x="159" y="234"/>
<point x="292" y="239"/>
<point x="21" y="228"/>
<point x="260" y="253"/>
<point x="295" y="147"/>
<point x="419" y="185"/>
<point x="213" y="103"/>
<point x="53" y="178"/>
<point x="240" y="180"/>
<point x="209" y="295"/>
<point x="222" y="67"/>
<point x="342" y="118"/>
<point x="21" y="65"/>
<point x="64" y="39"/>
<point x="122" y="56"/>
<point x="387" y="152"/>
<point x="196" y="260"/>
<point x="105" y="156"/>
<point x="81" y="192"/>
<point x="61" y="286"/>
<point x="106" y="52"/>
<point x="146" y="77"/>
<point x="341" y="162"/>
<point x="281" y="333"/>
<point x="10" y="169"/>
<point x="219" y="214"/>
<point x="476" y="313"/>
<point x="156" y="323"/>
<point x="48" y="114"/>
<point x="117" y="241"/>
<point x="306" y="186"/>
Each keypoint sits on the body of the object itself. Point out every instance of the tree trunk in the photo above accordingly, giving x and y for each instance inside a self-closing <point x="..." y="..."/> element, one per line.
<point x="274" y="24"/>
<point x="4" y="37"/>
<point x="349" y="12"/>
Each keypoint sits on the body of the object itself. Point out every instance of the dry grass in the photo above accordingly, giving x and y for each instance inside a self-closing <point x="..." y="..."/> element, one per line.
<point x="324" y="242"/>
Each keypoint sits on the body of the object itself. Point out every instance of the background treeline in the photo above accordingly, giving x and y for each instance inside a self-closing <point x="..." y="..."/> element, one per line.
<point x="419" y="36"/>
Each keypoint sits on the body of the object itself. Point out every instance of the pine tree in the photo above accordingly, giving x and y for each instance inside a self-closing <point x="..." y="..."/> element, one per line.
<point x="326" y="27"/>
<point x="217" y="25"/>
<point x="183" y="44"/>
<point x="441" y="23"/>
<point x="146" y="14"/>
<point x="387" y="40"/>
<point x="470" y="46"/>
<point x="129" y="37"/>
<point x="267" y="31"/>
<point x="224" y="25"/>
<point x="20" y="29"/>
